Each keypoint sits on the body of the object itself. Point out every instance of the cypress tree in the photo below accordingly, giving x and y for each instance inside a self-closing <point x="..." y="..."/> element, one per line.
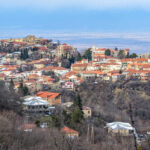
<point x="11" y="85"/>
<point x="77" y="113"/>
<point x="78" y="102"/>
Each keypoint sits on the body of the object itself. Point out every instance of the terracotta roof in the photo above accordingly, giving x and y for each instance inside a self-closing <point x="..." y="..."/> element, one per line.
<point x="86" y="108"/>
<point x="134" y="60"/>
<point x="146" y="66"/>
<point x="27" y="126"/>
<point x="64" y="44"/>
<point x="42" y="48"/>
<point x="29" y="81"/>
<point x="138" y="71"/>
<point x="44" y="39"/>
<point x="141" y="59"/>
<point x="109" y="64"/>
<point x="3" y="54"/>
<point x="54" y="68"/>
<point x="99" y="54"/>
<point x="45" y="94"/>
<point x="70" y="73"/>
<point x="114" y="71"/>
<point x="33" y="76"/>
<point x="69" y="131"/>
<point x="19" y="43"/>
<point x="79" y="65"/>
<point x="101" y="49"/>
<point x="59" y="68"/>
<point x="92" y="72"/>
<point x="127" y="60"/>
<point x="116" y="74"/>
<point x="9" y="70"/>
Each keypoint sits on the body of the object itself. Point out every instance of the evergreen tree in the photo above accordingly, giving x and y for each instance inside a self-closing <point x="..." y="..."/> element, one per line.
<point x="107" y="52"/>
<point x="87" y="54"/>
<point x="134" y="55"/>
<point x="21" y="56"/>
<point x="121" y="54"/>
<point x="22" y="91"/>
<point x="34" y="49"/>
<point x="25" y="91"/>
<point x="55" y="121"/>
<point x="24" y="54"/>
<point x="77" y="116"/>
<point x="116" y="49"/>
<point x="11" y="85"/>
<point x="71" y="60"/>
<point x="78" y="102"/>
<point x="77" y="113"/>
<point x="66" y="117"/>
<point x="79" y="57"/>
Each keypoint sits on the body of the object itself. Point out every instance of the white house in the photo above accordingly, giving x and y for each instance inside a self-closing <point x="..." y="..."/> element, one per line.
<point x="121" y="128"/>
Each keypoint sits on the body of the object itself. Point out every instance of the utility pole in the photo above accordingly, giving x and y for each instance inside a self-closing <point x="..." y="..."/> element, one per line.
<point x="88" y="133"/>
<point x="92" y="134"/>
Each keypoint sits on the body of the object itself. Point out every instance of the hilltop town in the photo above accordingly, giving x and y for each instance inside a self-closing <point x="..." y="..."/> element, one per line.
<point x="79" y="95"/>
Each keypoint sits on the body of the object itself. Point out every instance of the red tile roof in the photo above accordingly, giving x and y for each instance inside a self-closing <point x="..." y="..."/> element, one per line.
<point x="67" y="130"/>
<point x="86" y="108"/>
<point x="42" y="48"/>
<point x="27" y="126"/>
<point x="45" y="94"/>
<point x="2" y="75"/>
<point x="80" y="65"/>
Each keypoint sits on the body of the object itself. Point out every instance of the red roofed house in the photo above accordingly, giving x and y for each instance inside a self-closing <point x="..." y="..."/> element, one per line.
<point x="68" y="85"/>
<point x="141" y="74"/>
<point x="145" y="67"/>
<point x="51" y="97"/>
<point x="110" y="67"/>
<point x="2" y="76"/>
<point x="117" y="76"/>
<point x="70" y="132"/>
<point x="42" y="48"/>
<point x="79" y="67"/>
<point x="98" y="53"/>
<point x="27" y="127"/>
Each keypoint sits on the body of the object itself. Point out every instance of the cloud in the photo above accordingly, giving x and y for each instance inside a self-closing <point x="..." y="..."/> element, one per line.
<point x="86" y="4"/>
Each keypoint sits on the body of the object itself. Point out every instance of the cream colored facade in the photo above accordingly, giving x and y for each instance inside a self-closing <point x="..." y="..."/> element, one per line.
<point x="87" y="111"/>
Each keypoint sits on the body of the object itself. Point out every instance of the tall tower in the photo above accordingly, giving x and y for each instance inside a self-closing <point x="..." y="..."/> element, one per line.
<point x="93" y="49"/>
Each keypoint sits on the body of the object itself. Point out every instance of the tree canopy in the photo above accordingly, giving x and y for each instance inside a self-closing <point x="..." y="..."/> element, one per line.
<point x="107" y="52"/>
<point x="87" y="54"/>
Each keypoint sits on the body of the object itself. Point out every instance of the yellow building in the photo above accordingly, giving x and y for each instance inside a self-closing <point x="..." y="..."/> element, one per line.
<point x="87" y="111"/>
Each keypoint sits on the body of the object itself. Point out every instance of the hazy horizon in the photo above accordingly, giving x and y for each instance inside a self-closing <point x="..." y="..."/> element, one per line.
<point x="83" y="23"/>
<point x="137" y="42"/>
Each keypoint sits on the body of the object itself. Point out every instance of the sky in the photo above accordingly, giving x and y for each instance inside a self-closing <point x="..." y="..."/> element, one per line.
<point x="76" y="15"/>
<point x="113" y="17"/>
